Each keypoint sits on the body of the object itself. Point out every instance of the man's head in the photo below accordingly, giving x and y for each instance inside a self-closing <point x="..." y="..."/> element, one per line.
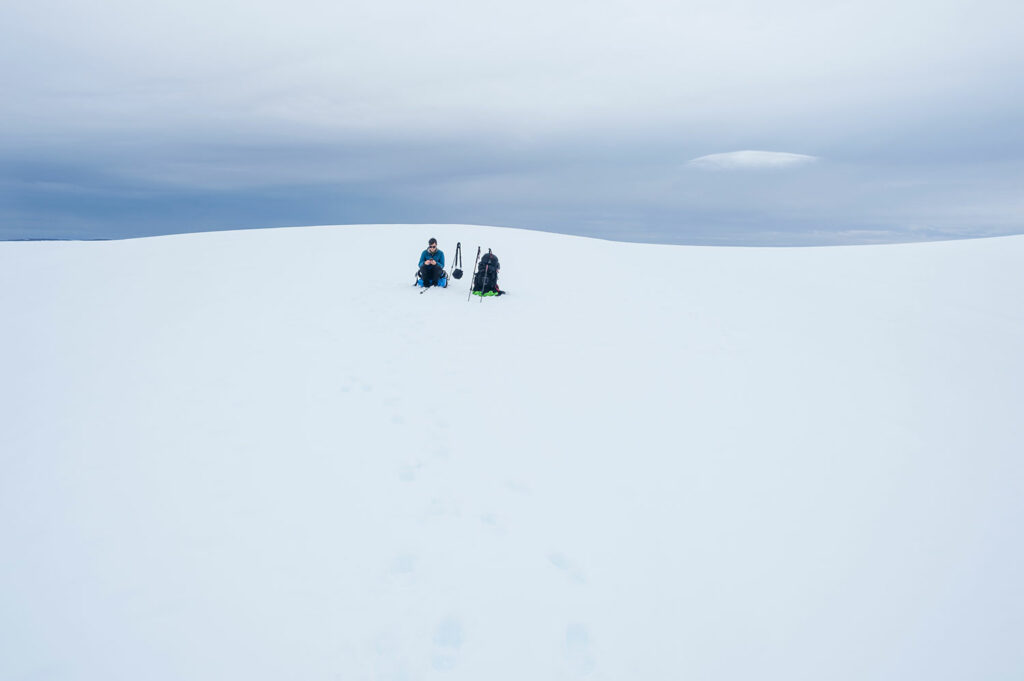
<point x="432" y="244"/>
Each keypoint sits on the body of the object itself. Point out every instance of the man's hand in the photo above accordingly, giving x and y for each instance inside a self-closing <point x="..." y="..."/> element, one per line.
<point x="429" y="262"/>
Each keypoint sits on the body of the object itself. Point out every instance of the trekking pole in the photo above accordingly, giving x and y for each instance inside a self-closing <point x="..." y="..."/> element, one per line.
<point x="472" y="282"/>
<point x="487" y="270"/>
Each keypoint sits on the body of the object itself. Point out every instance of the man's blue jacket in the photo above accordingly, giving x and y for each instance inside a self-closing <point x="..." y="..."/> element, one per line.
<point x="438" y="255"/>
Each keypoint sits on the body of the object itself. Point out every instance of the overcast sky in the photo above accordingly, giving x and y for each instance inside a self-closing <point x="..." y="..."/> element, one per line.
<point x="732" y="122"/>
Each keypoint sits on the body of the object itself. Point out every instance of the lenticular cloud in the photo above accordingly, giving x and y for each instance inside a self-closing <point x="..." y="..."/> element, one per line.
<point x="742" y="160"/>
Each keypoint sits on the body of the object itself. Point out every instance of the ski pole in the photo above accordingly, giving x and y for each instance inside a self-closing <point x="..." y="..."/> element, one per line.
<point x="472" y="282"/>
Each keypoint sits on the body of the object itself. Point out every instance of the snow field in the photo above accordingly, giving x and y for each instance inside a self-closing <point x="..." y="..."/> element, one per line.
<point x="263" y="454"/>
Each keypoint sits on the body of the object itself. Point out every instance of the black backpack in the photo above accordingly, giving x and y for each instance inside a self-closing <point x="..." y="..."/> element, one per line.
<point x="486" y="279"/>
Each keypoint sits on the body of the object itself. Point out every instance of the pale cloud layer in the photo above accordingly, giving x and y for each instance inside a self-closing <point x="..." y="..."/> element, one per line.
<point x="367" y="67"/>
<point x="751" y="160"/>
<point x="571" y="115"/>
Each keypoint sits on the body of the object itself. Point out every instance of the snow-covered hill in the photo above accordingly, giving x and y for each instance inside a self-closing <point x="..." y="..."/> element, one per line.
<point x="263" y="455"/>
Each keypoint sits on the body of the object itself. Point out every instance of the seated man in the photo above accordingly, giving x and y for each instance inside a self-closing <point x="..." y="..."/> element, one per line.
<point x="432" y="266"/>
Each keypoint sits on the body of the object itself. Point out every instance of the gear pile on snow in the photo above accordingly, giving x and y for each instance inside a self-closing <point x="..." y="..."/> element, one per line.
<point x="485" y="279"/>
<point x="483" y="283"/>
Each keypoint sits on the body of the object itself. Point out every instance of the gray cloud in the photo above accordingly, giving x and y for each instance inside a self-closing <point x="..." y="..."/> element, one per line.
<point x="480" y="112"/>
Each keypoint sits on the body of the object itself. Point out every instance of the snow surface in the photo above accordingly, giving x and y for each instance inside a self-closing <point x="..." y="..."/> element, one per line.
<point x="263" y="455"/>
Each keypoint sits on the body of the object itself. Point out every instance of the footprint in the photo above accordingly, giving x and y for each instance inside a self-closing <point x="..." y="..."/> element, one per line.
<point x="567" y="566"/>
<point x="443" y="508"/>
<point x="403" y="564"/>
<point x="519" y="487"/>
<point x="391" y="660"/>
<point x="410" y="471"/>
<point x="351" y="382"/>
<point x="577" y="649"/>
<point x="494" y="524"/>
<point x="447" y="641"/>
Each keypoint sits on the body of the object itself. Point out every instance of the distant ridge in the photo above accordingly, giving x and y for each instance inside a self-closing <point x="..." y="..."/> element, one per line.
<point x="56" y="239"/>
